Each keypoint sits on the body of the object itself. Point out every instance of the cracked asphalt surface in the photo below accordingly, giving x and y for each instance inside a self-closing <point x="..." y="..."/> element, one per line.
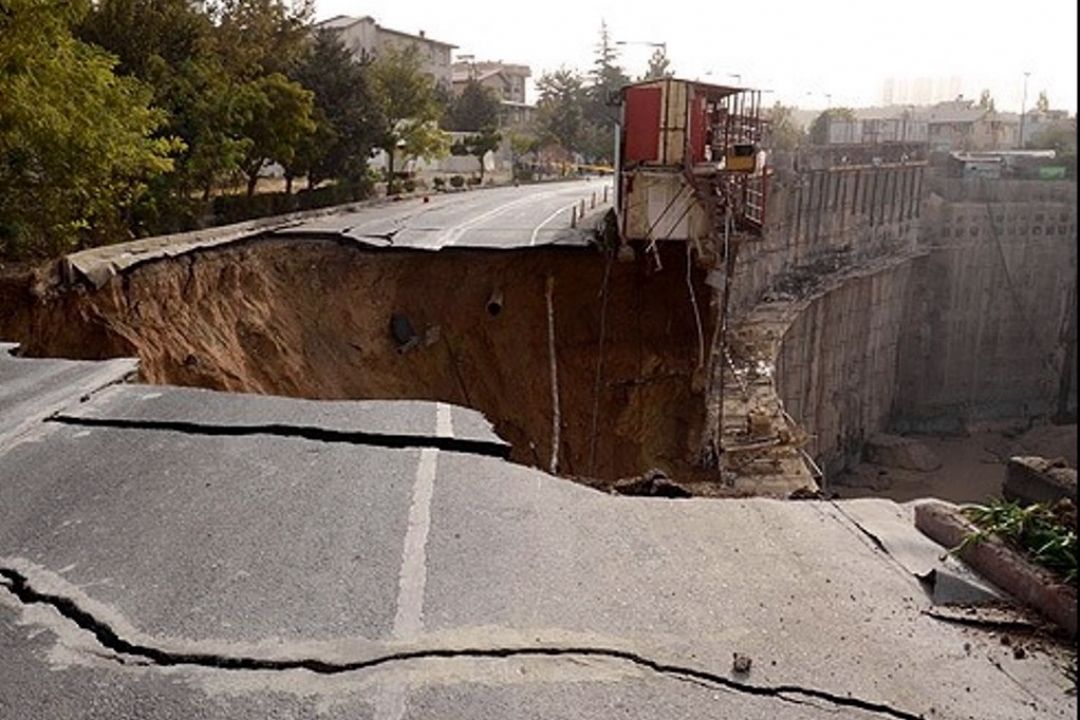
<point x="156" y="564"/>
<point x="501" y="217"/>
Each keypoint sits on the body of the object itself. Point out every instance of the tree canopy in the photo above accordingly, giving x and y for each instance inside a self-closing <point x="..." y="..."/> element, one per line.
<point x="276" y="117"/>
<point x="345" y="113"/>
<point x="560" y="109"/>
<point x="783" y="132"/>
<point x="77" y="141"/>
<point x="659" y="66"/>
<point x="819" y="128"/>
<point x="475" y="109"/>
<point x="408" y="111"/>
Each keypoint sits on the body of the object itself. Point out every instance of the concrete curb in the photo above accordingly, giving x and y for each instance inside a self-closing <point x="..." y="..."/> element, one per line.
<point x="1006" y="568"/>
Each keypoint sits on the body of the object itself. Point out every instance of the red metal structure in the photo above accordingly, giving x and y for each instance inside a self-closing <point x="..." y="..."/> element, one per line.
<point x="689" y="168"/>
<point x="689" y="154"/>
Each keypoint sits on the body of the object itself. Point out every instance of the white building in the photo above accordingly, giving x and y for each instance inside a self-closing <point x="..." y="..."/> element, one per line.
<point x="364" y="37"/>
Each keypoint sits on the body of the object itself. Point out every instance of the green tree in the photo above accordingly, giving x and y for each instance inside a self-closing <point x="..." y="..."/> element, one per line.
<point x="985" y="101"/>
<point x="345" y="113"/>
<point x="476" y="108"/>
<point x="149" y="37"/>
<point x="478" y="145"/>
<point x="783" y="132"/>
<point x="560" y="109"/>
<point x="819" y="128"/>
<point x="254" y="38"/>
<point x="169" y="45"/>
<point x="607" y="79"/>
<point x="77" y="145"/>
<point x="659" y="66"/>
<point x="1059" y="137"/>
<point x="208" y="113"/>
<point x="1043" y="103"/>
<point x="276" y="118"/>
<point x="408" y="110"/>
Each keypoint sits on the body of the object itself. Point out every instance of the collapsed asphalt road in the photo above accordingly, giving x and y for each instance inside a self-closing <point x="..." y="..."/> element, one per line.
<point x="155" y="563"/>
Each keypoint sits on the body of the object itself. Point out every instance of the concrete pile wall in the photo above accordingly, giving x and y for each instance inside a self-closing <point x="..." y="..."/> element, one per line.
<point x="922" y="304"/>
<point x="991" y="326"/>
<point x="828" y="218"/>
<point x="837" y="368"/>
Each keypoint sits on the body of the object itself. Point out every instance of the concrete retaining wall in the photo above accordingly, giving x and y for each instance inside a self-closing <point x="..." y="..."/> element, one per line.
<point x="975" y="321"/>
<point x="991" y="323"/>
<point x="836" y="370"/>
<point x="844" y="215"/>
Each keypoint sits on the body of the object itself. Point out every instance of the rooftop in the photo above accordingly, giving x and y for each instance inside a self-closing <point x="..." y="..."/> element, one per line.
<point x="341" y="22"/>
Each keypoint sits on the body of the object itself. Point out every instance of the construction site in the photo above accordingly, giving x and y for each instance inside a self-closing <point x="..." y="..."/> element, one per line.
<point x="369" y="461"/>
<point x="738" y="323"/>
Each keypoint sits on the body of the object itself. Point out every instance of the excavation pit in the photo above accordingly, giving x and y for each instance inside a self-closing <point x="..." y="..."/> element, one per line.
<point x="311" y="318"/>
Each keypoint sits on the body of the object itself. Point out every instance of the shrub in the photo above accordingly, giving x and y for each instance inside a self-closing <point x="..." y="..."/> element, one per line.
<point x="439" y="183"/>
<point x="457" y="181"/>
<point x="409" y="185"/>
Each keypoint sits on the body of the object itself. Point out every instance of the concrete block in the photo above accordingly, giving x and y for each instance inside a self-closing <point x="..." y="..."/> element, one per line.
<point x="1033" y="479"/>
<point x="900" y="452"/>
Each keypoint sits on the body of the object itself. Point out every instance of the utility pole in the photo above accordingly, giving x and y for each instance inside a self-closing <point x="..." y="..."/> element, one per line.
<point x="1023" y="109"/>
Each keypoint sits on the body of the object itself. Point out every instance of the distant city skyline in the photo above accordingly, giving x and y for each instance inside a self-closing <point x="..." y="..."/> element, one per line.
<point x="800" y="52"/>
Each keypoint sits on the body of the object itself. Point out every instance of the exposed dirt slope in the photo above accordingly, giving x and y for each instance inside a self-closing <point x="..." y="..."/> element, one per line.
<point x="312" y="319"/>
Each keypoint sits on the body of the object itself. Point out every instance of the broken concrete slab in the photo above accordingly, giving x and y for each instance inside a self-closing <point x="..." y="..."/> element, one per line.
<point x="892" y="528"/>
<point x="897" y="451"/>
<point x="201" y="537"/>
<point x="373" y="421"/>
<point x="1035" y="479"/>
<point x="33" y="389"/>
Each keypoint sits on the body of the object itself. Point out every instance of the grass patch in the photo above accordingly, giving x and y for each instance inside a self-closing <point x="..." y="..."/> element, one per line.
<point x="1037" y="530"/>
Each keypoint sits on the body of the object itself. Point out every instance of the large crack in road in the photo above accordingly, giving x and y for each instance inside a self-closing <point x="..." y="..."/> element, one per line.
<point x="20" y="586"/>
<point x="394" y="441"/>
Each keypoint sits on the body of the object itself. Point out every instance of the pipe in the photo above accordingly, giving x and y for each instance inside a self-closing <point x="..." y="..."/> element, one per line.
<point x="556" y="420"/>
<point x="495" y="302"/>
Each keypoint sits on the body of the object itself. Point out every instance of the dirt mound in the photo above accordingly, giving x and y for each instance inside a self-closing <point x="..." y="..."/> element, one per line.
<point x="313" y="319"/>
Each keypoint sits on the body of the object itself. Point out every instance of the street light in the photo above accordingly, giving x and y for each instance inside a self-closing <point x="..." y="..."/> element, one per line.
<point x="1023" y="108"/>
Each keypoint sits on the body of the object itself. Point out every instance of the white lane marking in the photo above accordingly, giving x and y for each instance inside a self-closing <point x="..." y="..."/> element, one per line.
<point x="409" y="618"/>
<point x="444" y="420"/>
<point x="408" y="622"/>
<point x="454" y="234"/>
<point x="552" y="216"/>
<point x="538" y="228"/>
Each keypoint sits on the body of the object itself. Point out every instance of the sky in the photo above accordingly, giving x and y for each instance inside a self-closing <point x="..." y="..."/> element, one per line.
<point x="809" y="54"/>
